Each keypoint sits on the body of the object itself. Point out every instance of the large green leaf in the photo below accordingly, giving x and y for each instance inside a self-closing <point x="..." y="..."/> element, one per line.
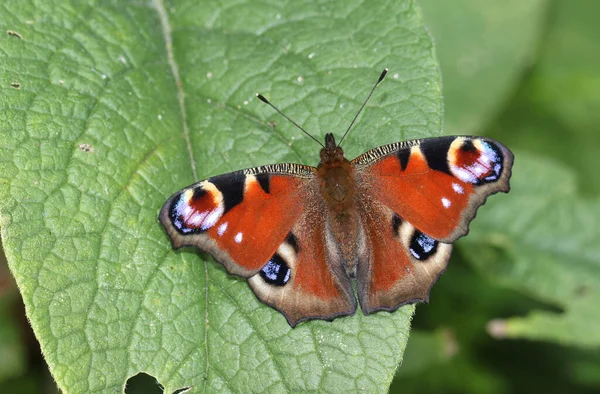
<point x="109" y="107"/>
<point x="544" y="241"/>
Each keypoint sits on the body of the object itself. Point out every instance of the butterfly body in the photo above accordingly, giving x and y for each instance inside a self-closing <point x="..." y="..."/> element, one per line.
<point x="336" y="178"/>
<point x="300" y="234"/>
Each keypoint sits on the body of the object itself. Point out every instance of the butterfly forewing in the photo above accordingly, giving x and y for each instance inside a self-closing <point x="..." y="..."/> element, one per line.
<point x="436" y="184"/>
<point x="240" y="218"/>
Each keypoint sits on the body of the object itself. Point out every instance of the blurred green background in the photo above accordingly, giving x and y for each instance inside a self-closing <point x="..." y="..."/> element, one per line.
<point x="527" y="73"/>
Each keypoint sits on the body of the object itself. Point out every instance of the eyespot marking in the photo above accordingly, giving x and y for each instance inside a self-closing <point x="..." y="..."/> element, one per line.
<point x="193" y="212"/>
<point x="199" y="192"/>
<point x="276" y="272"/>
<point x="292" y="241"/>
<point x="231" y="187"/>
<point x="211" y="218"/>
<point x="475" y="161"/>
<point x="468" y="146"/>
<point x="422" y="246"/>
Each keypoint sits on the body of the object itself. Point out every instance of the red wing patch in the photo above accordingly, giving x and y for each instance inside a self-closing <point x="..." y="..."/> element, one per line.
<point x="402" y="264"/>
<point x="303" y="279"/>
<point x="438" y="185"/>
<point x="240" y="219"/>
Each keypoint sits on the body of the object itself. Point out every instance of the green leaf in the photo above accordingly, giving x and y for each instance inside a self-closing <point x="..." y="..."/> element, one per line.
<point x="110" y="107"/>
<point x="462" y="303"/>
<point x="543" y="240"/>
<point x="484" y="48"/>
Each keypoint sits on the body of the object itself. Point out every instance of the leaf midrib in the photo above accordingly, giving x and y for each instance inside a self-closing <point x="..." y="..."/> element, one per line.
<point x="166" y="29"/>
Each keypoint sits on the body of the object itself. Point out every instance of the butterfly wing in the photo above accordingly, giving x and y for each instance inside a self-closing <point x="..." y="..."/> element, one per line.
<point x="266" y="224"/>
<point x="436" y="184"/>
<point x="402" y="263"/>
<point x="240" y="218"/>
<point x="416" y="198"/>
<point x="305" y="278"/>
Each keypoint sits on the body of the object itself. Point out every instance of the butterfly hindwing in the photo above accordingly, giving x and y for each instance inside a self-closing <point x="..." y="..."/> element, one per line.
<point x="305" y="279"/>
<point x="402" y="263"/>
<point x="436" y="184"/>
<point x="240" y="218"/>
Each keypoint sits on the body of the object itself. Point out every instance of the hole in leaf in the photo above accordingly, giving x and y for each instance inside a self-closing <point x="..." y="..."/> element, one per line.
<point x="142" y="383"/>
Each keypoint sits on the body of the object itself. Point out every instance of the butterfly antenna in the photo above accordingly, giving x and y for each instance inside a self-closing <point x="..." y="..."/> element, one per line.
<point x="264" y="100"/>
<point x="365" y="103"/>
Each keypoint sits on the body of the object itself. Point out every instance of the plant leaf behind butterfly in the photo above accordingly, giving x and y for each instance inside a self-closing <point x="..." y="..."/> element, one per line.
<point x="548" y="248"/>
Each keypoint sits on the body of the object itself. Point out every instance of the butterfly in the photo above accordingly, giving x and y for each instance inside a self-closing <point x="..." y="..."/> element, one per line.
<point x="301" y="234"/>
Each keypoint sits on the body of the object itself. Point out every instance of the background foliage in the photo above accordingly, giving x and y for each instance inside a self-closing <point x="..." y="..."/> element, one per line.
<point x="515" y="312"/>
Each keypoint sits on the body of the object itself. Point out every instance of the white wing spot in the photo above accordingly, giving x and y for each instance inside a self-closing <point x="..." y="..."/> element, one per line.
<point x="195" y="219"/>
<point x="212" y="218"/>
<point x="221" y="229"/>
<point x="458" y="188"/>
<point x="446" y="202"/>
<point x="238" y="238"/>
<point x="464" y="174"/>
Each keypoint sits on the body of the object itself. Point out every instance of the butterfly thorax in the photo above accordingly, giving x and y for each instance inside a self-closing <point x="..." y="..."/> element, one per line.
<point x="336" y="177"/>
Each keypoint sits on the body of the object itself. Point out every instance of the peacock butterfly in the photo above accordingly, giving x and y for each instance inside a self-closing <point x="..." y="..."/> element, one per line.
<point x="299" y="233"/>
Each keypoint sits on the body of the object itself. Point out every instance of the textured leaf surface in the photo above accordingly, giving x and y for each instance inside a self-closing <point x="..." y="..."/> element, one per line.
<point x="547" y="246"/>
<point x="110" y="107"/>
<point x="484" y="48"/>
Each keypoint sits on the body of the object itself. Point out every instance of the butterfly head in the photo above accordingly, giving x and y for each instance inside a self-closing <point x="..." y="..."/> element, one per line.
<point x="331" y="153"/>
